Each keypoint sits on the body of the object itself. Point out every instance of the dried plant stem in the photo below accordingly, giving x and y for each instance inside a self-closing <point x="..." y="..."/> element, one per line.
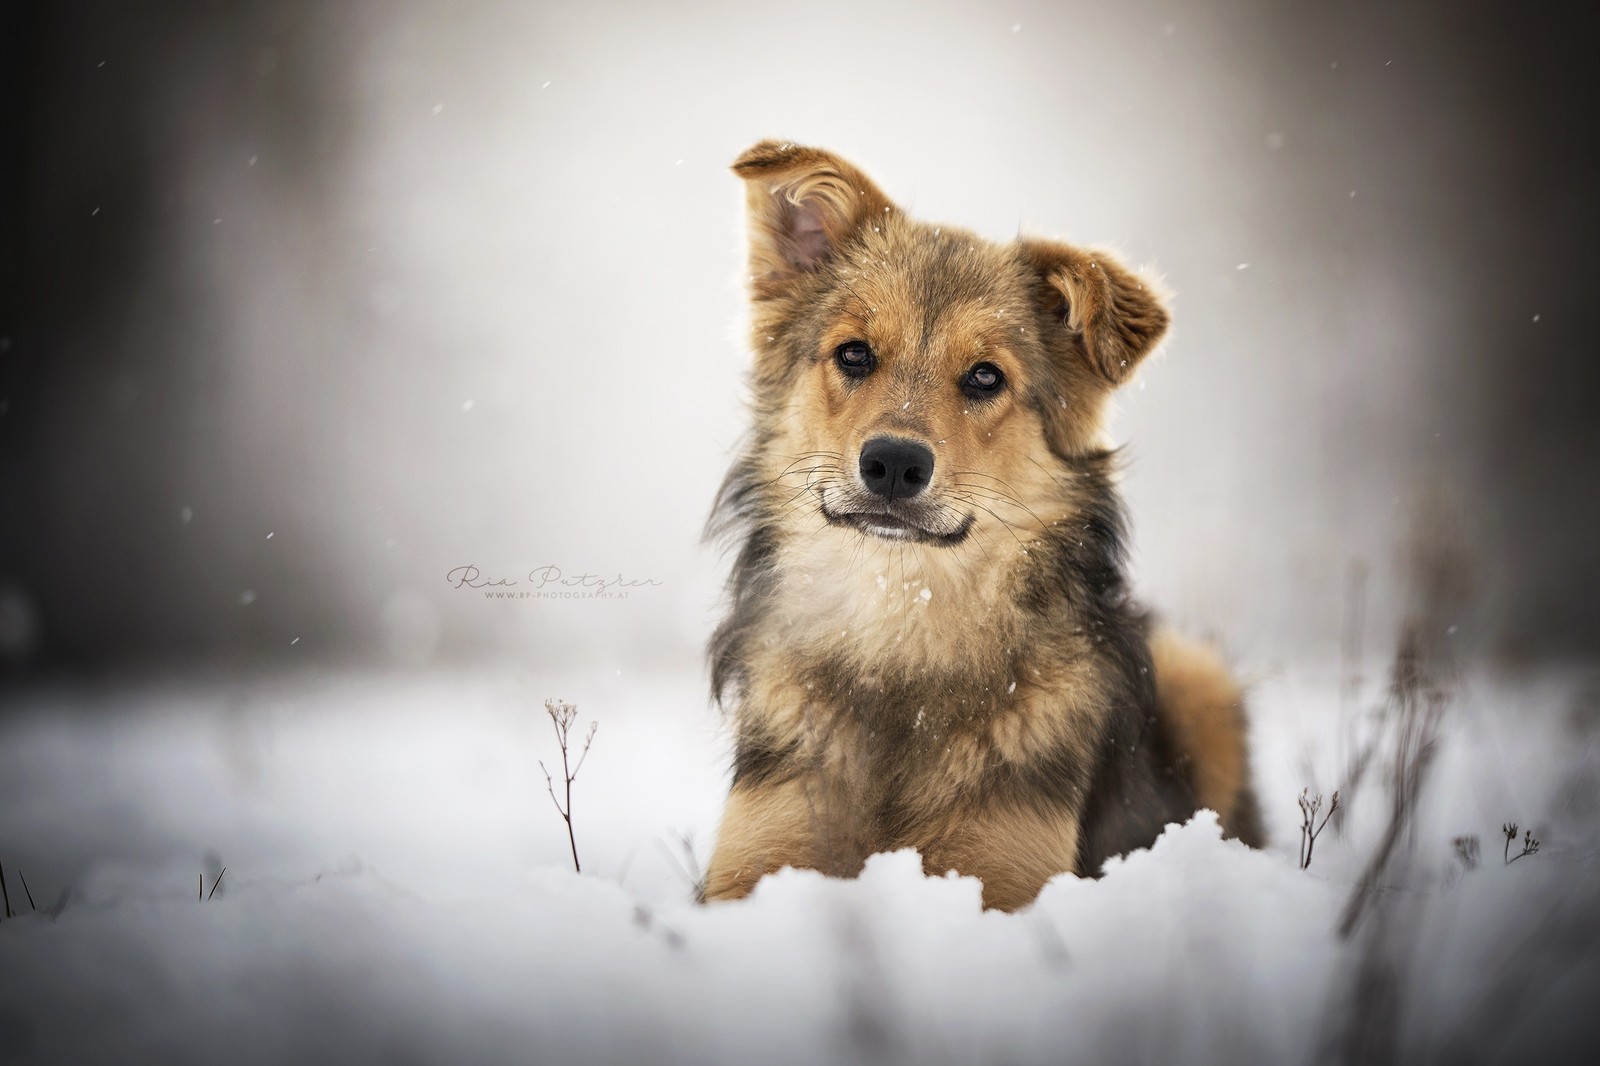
<point x="1352" y="641"/>
<point x="1310" y="828"/>
<point x="562" y="715"/>
<point x="1351" y="638"/>
<point x="1530" y="846"/>
<point x="688" y="866"/>
<point x="1415" y="708"/>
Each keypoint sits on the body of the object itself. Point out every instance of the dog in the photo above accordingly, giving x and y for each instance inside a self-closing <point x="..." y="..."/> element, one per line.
<point x="929" y="640"/>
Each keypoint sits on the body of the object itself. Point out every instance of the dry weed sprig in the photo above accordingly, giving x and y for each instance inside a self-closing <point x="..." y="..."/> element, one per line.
<point x="1464" y="853"/>
<point x="1412" y="714"/>
<point x="1530" y="846"/>
<point x="1401" y="749"/>
<point x="646" y="919"/>
<point x="688" y="866"/>
<point x="562" y="715"/>
<point x="1310" y="828"/>
<point x="1352" y="641"/>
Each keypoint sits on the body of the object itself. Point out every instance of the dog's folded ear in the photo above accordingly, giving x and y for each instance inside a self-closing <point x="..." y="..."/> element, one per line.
<point x="804" y="204"/>
<point x="1117" y="315"/>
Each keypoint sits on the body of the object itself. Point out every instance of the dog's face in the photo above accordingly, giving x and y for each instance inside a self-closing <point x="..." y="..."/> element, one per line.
<point x="915" y="381"/>
<point x="916" y="384"/>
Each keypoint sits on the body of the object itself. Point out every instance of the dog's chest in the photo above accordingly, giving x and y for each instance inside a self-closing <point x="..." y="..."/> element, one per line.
<point x="894" y="608"/>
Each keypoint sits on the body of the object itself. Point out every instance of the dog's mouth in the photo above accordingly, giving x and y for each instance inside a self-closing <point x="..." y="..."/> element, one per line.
<point x="901" y="526"/>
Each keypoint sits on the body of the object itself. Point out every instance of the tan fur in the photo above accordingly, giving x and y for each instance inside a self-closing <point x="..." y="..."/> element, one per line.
<point x="1204" y="707"/>
<point x="951" y="691"/>
<point x="1013" y="852"/>
<point x="1113" y="308"/>
<point x="767" y="829"/>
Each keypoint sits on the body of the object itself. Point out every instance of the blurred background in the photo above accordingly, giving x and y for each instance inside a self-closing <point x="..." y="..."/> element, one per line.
<point x="304" y="306"/>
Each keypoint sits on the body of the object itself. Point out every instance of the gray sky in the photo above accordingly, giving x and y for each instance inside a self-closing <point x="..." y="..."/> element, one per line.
<point x="410" y="287"/>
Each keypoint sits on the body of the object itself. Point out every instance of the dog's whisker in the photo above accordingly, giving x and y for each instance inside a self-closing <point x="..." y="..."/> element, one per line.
<point x="806" y="472"/>
<point x="1016" y="500"/>
<point x="1007" y="525"/>
<point x="810" y="488"/>
<point x="798" y="459"/>
<point x="993" y="497"/>
<point x="1061" y="479"/>
<point x="968" y="492"/>
<point x="1022" y="536"/>
<point x="1003" y="484"/>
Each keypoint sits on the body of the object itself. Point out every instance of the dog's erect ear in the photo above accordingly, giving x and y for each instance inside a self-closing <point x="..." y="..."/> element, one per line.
<point x="804" y="203"/>
<point x="1118" y="315"/>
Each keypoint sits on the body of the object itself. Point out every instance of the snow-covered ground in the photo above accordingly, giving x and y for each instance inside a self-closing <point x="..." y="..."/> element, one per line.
<point x="398" y="888"/>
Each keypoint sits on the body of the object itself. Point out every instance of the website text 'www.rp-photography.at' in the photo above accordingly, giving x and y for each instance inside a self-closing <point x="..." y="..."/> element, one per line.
<point x="548" y="583"/>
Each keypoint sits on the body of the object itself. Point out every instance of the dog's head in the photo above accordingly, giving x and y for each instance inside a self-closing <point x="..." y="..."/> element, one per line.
<point x="917" y="382"/>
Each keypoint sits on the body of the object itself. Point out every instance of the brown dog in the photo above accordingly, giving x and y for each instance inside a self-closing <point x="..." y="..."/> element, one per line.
<point x="930" y="643"/>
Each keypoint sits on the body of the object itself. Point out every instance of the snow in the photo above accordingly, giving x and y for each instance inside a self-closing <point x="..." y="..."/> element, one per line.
<point x="398" y="888"/>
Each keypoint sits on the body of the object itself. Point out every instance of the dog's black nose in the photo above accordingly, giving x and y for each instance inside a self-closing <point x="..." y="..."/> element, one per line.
<point x="896" y="468"/>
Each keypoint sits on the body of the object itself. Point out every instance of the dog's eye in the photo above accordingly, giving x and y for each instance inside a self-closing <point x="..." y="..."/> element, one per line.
<point x="855" y="359"/>
<point x="983" y="378"/>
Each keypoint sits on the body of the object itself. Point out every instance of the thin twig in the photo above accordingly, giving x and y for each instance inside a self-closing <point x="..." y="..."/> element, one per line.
<point x="1310" y="828"/>
<point x="4" y="892"/>
<point x="562" y="715"/>
<point x="1333" y="808"/>
<point x="215" y="883"/>
<point x="1351" y="643"/>
<point x="1308" y="811"/>
<point x="1530" y="846"/>
<point x="1415" y="708"/>
<point x="688" y="866"/>
<point x="26" y="891"/>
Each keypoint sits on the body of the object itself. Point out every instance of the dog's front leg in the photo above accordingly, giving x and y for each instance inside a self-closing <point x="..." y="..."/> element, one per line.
<point x="803" y="821"/>
<point x="1012" y="848"/>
